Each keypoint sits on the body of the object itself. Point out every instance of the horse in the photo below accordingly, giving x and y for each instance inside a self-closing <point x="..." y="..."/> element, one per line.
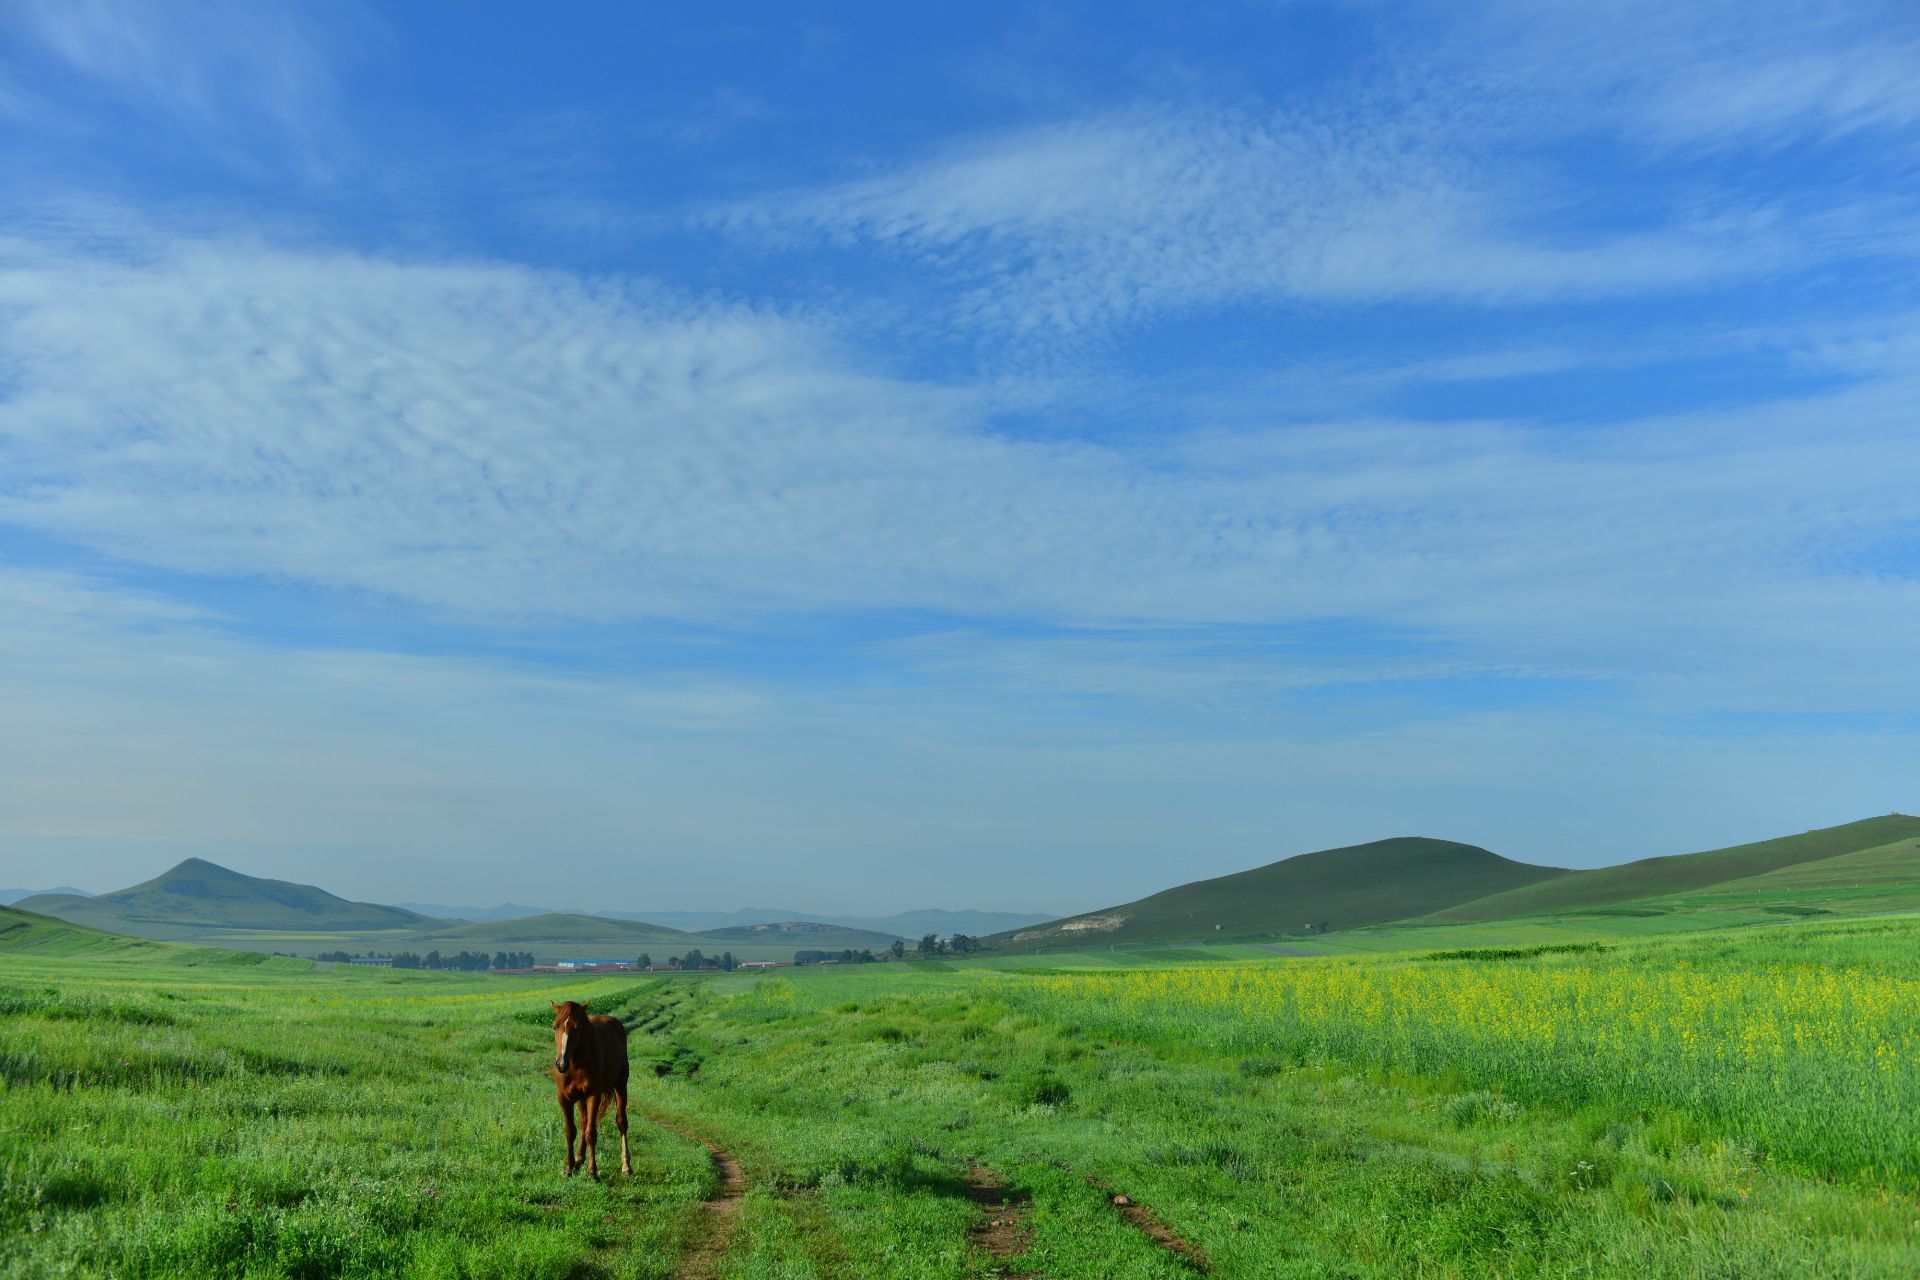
<point x="589" y="1067"/>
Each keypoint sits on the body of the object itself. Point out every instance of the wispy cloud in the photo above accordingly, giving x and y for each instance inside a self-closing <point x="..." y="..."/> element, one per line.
<point x="233" y="74"/>
<point x="1086" y="223"/>
<point x="1716" y="73"/>
<point x="494" y="443"/>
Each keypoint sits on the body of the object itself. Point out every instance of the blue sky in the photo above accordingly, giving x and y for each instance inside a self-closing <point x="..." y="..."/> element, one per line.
<point x="1001" y="456"/>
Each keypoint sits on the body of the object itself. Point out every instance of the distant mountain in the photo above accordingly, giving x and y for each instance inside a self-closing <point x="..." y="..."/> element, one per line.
<point x="907" y="924"/>
<point x="1659" y="877"/>
<point x="562" y="929"/>
<point x="199" y="895"/>
<point x="809" y="934"/>
<point x="1333" y="889"/>
<point x="701" y="921"/>
<point x="977" y="924"/>
<point x="505" y="911"/>
<point x="10" y="896"/>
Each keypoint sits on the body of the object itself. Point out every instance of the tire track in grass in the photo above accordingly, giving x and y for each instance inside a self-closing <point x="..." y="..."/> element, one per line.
<point x="721" y="1209"/>
<point x="1001" y="1229"/>
<point x="1149" y="1225"/>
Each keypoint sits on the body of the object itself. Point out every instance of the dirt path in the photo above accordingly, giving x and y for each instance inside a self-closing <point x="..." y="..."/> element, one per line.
<point x="722" y="1207"/>
<point x="1001" y="1229"/>
<point x="1150" y="1226"/>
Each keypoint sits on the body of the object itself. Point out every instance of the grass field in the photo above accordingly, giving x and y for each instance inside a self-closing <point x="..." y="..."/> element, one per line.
<point x="1732" y="1104"/>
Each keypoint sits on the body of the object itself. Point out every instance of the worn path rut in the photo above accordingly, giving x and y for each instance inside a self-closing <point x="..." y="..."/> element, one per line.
<point x="1149" y="1225"/>
<point x="1001" y="1229"/>
<point x="722" y="1207"/>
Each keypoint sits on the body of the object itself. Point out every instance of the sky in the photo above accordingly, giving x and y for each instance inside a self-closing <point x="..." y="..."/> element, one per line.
<point x="1001" y="456"/>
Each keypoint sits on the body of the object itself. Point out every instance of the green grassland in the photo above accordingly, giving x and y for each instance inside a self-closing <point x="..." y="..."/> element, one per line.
<point x="1734" y="1103"/>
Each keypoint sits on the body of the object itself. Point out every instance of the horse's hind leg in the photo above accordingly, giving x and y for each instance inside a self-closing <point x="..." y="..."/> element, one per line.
<point x="620" y="1118"/>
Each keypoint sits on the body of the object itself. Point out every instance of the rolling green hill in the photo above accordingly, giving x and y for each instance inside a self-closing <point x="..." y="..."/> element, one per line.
<point x="1652" y="878"/>
<point x="1333" y="889"/>
<point x="38" y="935"/>
<point x="199" y="895"/>
<point x="38" y="939"/>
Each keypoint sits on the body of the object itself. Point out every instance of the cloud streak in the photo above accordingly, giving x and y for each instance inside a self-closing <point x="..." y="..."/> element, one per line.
<point x="1086" y="224"/>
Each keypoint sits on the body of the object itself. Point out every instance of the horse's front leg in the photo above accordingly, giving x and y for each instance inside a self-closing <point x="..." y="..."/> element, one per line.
<point x="566" y="1110"/>
<point x="620" y="1117"/>
<point x="590" y="1117"/>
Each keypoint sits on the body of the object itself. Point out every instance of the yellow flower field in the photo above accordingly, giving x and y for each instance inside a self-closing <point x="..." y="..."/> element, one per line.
<point x="1819" y="1065"/>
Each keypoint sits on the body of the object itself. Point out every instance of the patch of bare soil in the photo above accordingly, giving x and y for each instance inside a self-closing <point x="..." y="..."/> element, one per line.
<point x="722" y="1207"/>
<point x="1001" y="1229"/>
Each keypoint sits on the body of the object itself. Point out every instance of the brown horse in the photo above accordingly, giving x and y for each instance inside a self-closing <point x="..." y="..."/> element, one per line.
<point x="589" y="1066"/>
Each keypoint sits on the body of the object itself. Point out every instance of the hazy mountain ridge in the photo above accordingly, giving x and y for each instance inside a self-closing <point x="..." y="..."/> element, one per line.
<point x="10" y="896"/>
<point x="1405" y="882"/>
<point x="905" y="924"/>
<point x="197" y="894"/>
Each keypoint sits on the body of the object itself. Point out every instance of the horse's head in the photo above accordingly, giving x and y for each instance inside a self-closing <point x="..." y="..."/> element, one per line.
<point x="569" y="1020"/>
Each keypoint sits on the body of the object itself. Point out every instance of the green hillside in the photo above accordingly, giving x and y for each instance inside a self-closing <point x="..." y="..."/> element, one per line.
<point x="199" y="895"/>
<point x="1882" y="879"/>
<point x="1333" y="889"/>
<point x="37" y="939"/>
<point x="1679" y="873"/>
<point x="27" y="933"/>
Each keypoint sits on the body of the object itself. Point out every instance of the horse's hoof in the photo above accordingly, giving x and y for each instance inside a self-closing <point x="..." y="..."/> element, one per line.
<point x="626" y="1171"/>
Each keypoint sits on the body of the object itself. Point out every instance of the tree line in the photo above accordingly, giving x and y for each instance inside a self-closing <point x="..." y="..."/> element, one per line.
<point x="694" y="959"/>
<point x="469" y="961"/>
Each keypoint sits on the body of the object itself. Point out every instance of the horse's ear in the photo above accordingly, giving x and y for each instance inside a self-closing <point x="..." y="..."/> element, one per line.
<point x="556" y="1008"/>
<point x="584" y="1004"/>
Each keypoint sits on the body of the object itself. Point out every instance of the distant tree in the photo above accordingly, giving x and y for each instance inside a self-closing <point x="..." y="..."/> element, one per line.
<point x="727" y="961"/>
<point x="963" y="945"/>
<point x="645" y="961"/>
<point x="692" y="960"/>
<point x="898" y="948"/>
<point x="865" y="956"/>
<point x="432" y="961"/>
<point x="929" y="946"/>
